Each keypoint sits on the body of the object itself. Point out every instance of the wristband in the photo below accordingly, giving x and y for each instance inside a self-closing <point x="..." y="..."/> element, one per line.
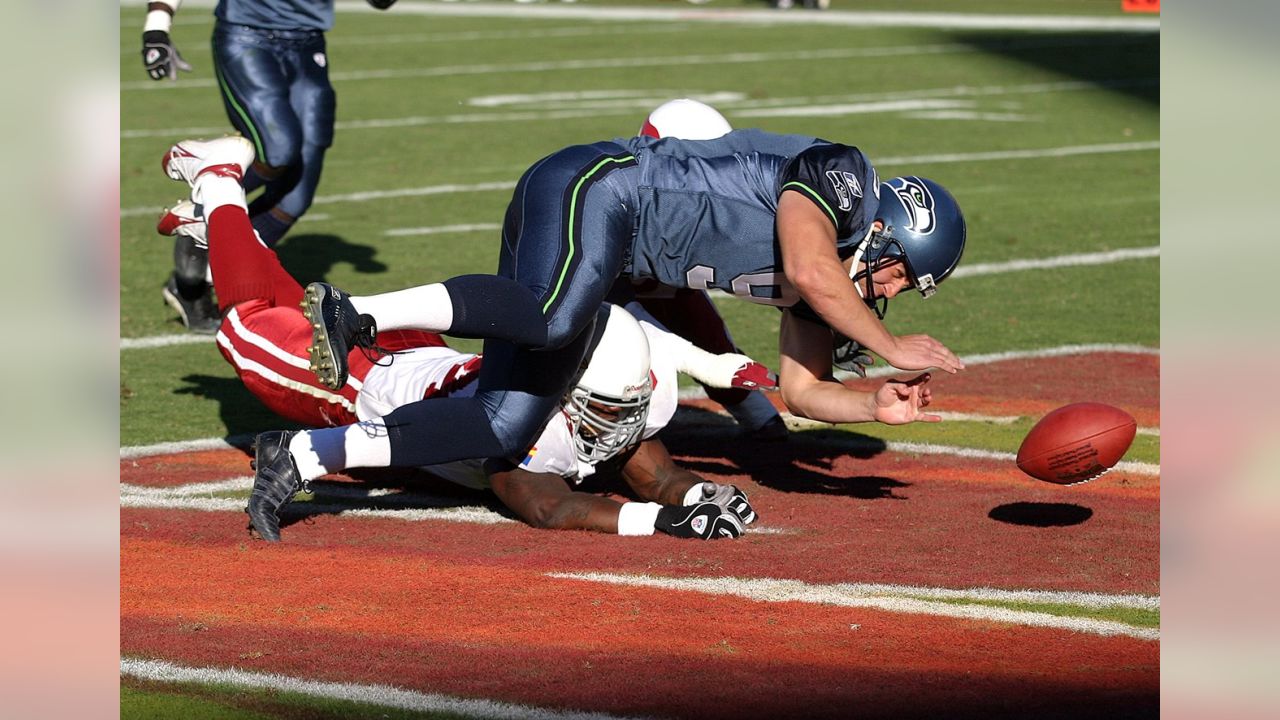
<point x="637" y="518"/>
<point x="158" y="20"/>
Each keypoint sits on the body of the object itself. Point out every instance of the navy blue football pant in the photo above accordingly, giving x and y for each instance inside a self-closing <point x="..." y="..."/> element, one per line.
<point x="275" y="88"/>
<point x="564" y="239"/>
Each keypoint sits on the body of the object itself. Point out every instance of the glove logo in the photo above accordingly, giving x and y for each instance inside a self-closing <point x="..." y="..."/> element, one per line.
<point x="152" y="55"/>
<point x="699" y="524"/>
<point x="320" y="59"/>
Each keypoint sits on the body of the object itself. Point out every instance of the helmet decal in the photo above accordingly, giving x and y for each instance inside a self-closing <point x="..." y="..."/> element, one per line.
<point x="846" y="186"/>
<point x="917" y="201"/>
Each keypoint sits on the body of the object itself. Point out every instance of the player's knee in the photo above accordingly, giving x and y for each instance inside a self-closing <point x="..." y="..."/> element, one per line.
<point x="283" y="151"/>
<point x="514" y="437"/>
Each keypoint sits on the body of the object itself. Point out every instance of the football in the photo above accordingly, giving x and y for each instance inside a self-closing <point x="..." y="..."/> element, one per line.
<point x="1076" y="443"/>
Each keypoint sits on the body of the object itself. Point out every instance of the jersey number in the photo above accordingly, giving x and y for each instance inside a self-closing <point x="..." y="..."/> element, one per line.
<point x="765" y="288"/>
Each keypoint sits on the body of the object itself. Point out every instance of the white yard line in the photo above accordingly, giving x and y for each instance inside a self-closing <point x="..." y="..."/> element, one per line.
<point x="687" y="14"/>
<point x="564" y="105"/>
<point x="899" y="599"/>
<point x="386" y="696"/>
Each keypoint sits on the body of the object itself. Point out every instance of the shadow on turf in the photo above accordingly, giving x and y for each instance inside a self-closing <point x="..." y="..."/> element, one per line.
<point x="239" y="411"/>
<point x="1127" y="63"/>
<point x="1035" y="514"/>
<point x="804" y="463"/>
<point x="311" y="257"/>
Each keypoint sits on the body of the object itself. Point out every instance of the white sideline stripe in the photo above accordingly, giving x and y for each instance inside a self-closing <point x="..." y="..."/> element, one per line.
<point x="684" y="14"/>
<point x="442" y="229"/>
<point x="1098" y="258"/>
<point x="381" y="695"/>
<point x="854" y="108"/>
<point x="874" y="596"/>
<point x="368" y="195"/>
<point x="672" y="61"/>
<point x="161" y="341"/>
<point x="466" y="514"/>
<point x="136" y="452"/>
<point x="628" y="103"/>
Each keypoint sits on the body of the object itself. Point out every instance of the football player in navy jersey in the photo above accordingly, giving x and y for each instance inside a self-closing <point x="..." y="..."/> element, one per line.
<point x="787" y="220"/>
<point x="272" y="70"/>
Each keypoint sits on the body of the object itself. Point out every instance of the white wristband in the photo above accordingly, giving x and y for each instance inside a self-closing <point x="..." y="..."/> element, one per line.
<point x="158" y="20"/>
<point x="637" y="518"/>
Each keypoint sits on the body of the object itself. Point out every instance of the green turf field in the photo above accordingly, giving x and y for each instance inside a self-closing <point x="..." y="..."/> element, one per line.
<point x="432" y="101"/>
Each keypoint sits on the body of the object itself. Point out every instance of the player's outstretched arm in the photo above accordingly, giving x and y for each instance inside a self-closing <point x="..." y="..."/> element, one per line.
<point x="808" y="242"/>
<point x="655" y="476"/>
<point x="545" y="501"/>
<point x="159" y="56"/>
<point x="810" y="391"/>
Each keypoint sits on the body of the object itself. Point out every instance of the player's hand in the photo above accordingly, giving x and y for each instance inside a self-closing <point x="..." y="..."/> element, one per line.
<point x="921" y="352"/>
<point x="382" y="4"/>
<point x="849" y="356"/>
<point x="729" y="498"/>
<point x="898" y="402"/>
<point x="751" y="375"/>
<point x="707" y="521"/>
<point x="160" y="57"/>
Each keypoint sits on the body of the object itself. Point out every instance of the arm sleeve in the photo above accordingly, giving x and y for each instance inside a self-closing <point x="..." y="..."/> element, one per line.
<point x="841" y="181"/>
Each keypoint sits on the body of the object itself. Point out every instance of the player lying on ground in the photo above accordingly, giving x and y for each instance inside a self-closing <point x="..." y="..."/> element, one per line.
<point x="264" y="336"/>
<point x="587" y="214"/>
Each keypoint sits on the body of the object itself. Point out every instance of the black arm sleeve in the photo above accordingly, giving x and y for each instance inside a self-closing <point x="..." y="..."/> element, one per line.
<point x="841" y="181"/>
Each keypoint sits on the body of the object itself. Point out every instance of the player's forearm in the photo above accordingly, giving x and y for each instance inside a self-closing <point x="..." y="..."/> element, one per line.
<point x="830" y="293"/>
<point x="829" y="401"/>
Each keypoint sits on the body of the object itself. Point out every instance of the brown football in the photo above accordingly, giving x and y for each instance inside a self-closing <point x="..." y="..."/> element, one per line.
<point x="1076" y="443"/>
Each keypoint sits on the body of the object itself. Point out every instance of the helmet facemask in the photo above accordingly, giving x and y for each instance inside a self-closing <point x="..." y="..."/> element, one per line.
<point x="604" y="426"/>
<point x="880" y="250"/>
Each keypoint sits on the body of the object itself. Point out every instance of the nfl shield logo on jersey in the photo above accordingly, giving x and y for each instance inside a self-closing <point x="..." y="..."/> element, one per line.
<point x="699" y="524"/>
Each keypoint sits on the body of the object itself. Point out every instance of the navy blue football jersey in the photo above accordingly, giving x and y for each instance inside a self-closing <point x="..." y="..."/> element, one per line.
<point x="277" y="14"/>
<point x="707" y="209"/>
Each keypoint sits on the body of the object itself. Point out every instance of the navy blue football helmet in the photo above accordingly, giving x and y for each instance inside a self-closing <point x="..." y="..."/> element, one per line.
<point x="923" y="229"/>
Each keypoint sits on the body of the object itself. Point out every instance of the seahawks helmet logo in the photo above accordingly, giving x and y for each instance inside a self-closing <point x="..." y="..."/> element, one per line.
<point x="917" y="201"/>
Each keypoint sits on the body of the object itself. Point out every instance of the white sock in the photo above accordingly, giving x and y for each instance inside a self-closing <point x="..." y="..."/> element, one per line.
<point x="425" y="307"/>
<point x="637" y="518"/>
<point x="213" y="191"/>
<point x="321" y="452"/>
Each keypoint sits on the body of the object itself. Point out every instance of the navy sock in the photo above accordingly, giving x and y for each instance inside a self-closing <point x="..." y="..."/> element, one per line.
<point x="270" y="228"/>
<point x="489" y="306"/>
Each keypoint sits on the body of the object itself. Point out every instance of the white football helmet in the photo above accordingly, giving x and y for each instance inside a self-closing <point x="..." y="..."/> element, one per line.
<point x="608" y="407"/>
<point x="685" y="119"/>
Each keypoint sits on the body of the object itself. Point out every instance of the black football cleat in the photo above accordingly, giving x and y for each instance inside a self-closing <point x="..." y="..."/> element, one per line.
<point x="276" y="479"/>
<point x="195" y="306"/>
<point x="336" y="327"/>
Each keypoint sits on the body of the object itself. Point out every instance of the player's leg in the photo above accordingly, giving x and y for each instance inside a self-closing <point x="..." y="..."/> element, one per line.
<point x="314" y="103"/>
<point x="563" y="241"/>
<point x="255" y="74"/>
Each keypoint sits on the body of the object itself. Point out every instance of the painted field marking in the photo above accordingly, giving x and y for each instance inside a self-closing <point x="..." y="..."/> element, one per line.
<point x="386" y="696"/>
<point x="901" y="599"/>
<point x="407" y="505"/>
<point x="369" y="195"/>
<point x="442" y="229"/>
<point x="1028" y="42"/>
<point x="857" y="19"/>
<point x="566" y="105"/>
<point x="1060" y="261"/>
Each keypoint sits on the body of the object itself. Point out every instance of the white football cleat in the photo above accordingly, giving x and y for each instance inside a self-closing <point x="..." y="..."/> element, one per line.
<point x="181" y="219"/>
<point x="228" y="156"/>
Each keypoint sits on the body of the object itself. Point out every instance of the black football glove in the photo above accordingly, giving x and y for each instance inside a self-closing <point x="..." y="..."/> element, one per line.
<point x="731" y="499"/>
<point x="382" y="4"/>
<point x="849" y="356"/>
<point x="160" y="57"/>
<point x="704" y="520"/>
